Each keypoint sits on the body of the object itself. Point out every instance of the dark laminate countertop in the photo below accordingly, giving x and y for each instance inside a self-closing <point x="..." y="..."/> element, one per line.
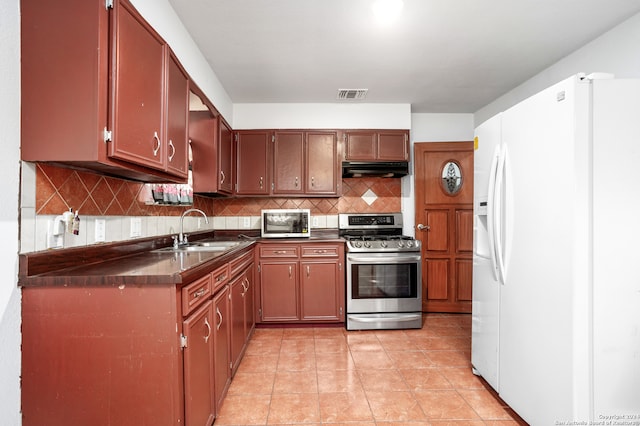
<point x="136" y="262"/>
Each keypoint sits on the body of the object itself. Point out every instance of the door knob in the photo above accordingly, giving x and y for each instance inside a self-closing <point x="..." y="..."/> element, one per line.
<point x="422" y="227"/>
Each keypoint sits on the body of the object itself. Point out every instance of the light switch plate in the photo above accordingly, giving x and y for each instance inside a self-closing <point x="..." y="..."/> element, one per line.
<point x="246" y="222"/>
<point x="136" y="227"/>
<point x="100" y="230"/>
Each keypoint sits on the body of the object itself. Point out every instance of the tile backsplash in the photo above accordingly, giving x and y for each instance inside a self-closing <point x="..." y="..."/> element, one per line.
<point x="58" y="189"/>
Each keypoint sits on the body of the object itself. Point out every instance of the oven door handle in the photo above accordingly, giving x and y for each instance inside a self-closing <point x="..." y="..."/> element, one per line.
<point x="403" y="318"/>
<point x="395" y="258"/>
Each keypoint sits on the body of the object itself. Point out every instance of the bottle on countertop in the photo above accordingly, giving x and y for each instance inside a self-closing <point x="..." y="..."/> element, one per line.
<point x="76" y="223"/>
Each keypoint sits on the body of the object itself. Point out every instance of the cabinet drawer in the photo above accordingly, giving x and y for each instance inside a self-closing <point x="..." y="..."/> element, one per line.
<point x="240" y="263"/>
<point x="194" y="294"/>
<point x="278" y="251"/>
<point x="220" y="277"/>
<point x="321" y="251"/>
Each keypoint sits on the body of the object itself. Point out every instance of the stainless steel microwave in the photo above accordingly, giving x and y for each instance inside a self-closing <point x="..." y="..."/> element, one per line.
<point x="285" y="223"/>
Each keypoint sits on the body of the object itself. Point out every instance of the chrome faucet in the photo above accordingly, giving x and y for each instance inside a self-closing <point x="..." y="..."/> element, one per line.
<point x="182" y="238"/>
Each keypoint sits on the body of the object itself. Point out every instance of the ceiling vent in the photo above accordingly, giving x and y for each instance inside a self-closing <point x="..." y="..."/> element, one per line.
<point x="352" y="94"/>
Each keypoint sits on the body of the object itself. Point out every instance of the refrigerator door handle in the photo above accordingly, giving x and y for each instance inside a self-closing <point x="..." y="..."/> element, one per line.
<point x="500" y="227"/>
<point x="491" y="211"/>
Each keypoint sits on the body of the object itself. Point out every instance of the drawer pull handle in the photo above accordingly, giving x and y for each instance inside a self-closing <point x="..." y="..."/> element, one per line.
<point x="221" y="277"/>
<point x="199" y="293"/>
<point x="280" y="252"/>
<point x="320" y="251"/>
<point x="219" y="317"/>
<point x="206" y="322"/>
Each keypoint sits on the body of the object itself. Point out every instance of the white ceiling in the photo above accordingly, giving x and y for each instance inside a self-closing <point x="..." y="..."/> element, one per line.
<point x="440" y="56"/>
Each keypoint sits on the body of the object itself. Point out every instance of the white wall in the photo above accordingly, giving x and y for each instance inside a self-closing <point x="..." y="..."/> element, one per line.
<point x="9" y="175"/>
<point x="615" y="52"/>
<point x="322" y="116"/>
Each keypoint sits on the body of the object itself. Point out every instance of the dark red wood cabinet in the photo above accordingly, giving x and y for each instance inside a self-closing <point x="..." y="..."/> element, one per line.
<point x="211" y="143"/>
<point x="376" y="145"/>
<point x="301" y="282"/>
<point x="101" y="91"/>
<point x="253" y="172"/>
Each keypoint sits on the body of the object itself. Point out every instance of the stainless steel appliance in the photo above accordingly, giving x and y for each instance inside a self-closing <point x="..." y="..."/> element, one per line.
<point x="285" y="223"/>
<point x="384" y="289"/>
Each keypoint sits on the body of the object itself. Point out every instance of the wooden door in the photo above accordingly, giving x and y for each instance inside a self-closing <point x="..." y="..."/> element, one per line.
<point x="221" y="349"/>
<point x="225" y="157"/>
<point x="279" y="292"/>
<point x="444" y="223"/>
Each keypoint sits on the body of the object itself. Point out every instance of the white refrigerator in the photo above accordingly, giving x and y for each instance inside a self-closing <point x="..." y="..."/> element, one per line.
<point x="556" y="265"/>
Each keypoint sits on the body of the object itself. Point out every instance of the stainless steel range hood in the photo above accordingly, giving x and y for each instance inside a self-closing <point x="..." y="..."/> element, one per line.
<point x="353" y="169"/>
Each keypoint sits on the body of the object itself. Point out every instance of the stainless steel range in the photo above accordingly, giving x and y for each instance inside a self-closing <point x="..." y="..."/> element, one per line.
<point x="384" y="289"/>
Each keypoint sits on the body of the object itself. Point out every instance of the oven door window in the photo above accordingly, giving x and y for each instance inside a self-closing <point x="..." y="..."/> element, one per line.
<point x="384" y="281"/>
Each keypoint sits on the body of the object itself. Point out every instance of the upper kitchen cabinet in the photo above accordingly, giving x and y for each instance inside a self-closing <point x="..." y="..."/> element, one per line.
<point x="305" y="163"/>
<point x="102" y="91"/>
<point x="252" y="166"/>
<point x="211" y="142"/>
<point x="376" y="145"/>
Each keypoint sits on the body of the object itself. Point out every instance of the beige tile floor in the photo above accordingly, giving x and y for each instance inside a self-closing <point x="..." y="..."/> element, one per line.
<point x="328" y="376"/>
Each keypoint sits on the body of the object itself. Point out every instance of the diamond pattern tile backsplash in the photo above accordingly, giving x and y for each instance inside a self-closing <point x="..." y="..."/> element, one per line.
<point x="58" y="189"/>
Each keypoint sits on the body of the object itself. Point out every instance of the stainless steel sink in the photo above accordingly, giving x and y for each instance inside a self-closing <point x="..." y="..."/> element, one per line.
<point x="203" y="246"/>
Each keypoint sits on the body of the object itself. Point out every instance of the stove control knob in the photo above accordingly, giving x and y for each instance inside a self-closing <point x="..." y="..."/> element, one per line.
<point x="383" y="243"/>
<point x="357" y="244"/>
<point x="400" y="243"/>
<point x="409" y="243"/>
<point x="367" y="244"/>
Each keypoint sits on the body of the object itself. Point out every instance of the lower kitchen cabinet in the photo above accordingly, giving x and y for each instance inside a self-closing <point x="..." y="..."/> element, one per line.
<point x="301" y="282"/>
<point x="242" y="305"/>
<point x="221" y="330"/>
<point x="198" y="367"/>
<point x="130" y="355"/>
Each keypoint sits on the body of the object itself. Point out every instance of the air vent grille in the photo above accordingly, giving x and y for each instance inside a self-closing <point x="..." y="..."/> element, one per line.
<point x="352" y="94"/>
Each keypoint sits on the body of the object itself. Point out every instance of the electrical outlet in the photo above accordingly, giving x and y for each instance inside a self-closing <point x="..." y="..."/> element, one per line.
<point x="199" y="223"/>
<point x="100" y="230"/>
<point x="314" y="222"/>
<point x="246" y="222"/>
<point x="136" y="227"/>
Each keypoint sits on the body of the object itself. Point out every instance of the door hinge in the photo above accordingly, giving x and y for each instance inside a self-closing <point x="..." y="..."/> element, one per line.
<point x="235" y="136"/>
<point x="108" y="4"/>
<point x="260" y="313"/>
<point x="258" y="268"/>
<point x="107" y="135"/>
<point x="183" y="341"/>
<point x="273" y="138"/>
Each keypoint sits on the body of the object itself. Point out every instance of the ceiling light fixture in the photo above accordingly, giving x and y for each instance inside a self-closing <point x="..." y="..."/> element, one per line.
<point x="387" y="11"/>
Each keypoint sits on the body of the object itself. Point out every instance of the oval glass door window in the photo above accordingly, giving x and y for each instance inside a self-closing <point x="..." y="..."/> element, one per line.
<point x="451" y="178"/>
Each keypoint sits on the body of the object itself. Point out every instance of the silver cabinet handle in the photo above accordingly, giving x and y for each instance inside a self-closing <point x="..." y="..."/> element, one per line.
<point x="308" y="271"/>
<point x="173" y="150"/>
<point x="156" y="148"/>
<point x="199" y="293"/>
<point x="221" y="176"/>
<point x="219" y="317"/>
<point x="422" y="227"/>
<point x="289" y="271"/>
<point x="206" y="322"/>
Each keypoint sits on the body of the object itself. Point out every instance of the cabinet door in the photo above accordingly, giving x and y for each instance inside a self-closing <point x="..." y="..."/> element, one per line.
<point x="249" y="302"/>
<point x="222" y="321"/>
<point x="360" y="145"/>
<point x="393" y="146"/>
<point x="225" y="157"/>
<point x="288" y="159"/>
<point x="198" y="367"/>
<point x="139" y="91"/>
<point x="322" y="163"/>
<point x="237" y="320"/>
<point x="177" y="119"/>
<point x="320" y="290"/>
<point x="279" y="290"/>
<point x="252" y="152"/>
<point x="203" y="127"/>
